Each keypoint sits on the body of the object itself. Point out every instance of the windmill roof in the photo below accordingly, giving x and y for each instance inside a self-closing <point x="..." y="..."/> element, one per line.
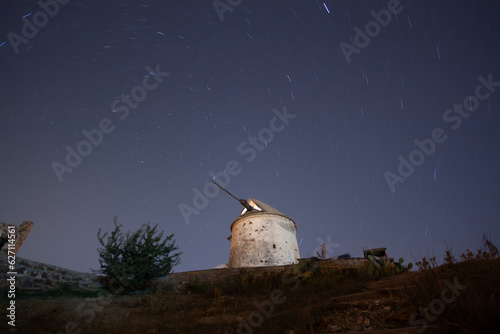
<point x="261" y="206"/>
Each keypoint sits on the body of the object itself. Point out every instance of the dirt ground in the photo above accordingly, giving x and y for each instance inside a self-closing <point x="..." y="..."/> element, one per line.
<point x="377" y="307"/>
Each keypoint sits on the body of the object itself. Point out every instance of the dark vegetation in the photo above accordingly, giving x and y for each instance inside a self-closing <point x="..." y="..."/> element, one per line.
<point x="458" y="296"/>
<point x="130" y="261"/>
<point x="477" y="307"/>
<point x="63" y="290"/>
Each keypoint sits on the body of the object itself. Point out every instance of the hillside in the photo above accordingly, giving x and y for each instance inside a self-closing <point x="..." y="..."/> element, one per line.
<point x="373" y="295"/>
<point x="328" y="301"/>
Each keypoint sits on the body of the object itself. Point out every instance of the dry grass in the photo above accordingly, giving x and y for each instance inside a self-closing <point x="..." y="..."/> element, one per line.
<point x="312" y="299"/>
<point x="477" y="307"/>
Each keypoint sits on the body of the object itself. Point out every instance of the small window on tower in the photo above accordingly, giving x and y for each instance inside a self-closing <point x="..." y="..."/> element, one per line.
<point x="274" y="246"/>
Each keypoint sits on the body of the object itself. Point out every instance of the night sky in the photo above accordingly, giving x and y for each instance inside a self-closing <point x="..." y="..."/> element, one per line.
<point x="308" y="106"/>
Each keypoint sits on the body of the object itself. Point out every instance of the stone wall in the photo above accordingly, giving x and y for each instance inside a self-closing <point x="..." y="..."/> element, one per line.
<point x="216" y="275"/>
<point x="32" y="275"/>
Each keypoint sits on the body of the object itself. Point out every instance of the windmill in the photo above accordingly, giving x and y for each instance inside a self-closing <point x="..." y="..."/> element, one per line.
<point x="261" y="236"/>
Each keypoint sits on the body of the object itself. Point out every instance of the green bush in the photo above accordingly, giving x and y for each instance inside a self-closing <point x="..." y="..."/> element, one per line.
<point x="131" y="261"/>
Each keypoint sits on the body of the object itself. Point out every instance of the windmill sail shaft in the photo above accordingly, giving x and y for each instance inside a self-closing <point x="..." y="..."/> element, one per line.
<point x="242" y="201"/>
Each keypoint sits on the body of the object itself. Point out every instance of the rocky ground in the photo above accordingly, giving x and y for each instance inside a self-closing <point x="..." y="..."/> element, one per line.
<point x="373" y="307"/>
<point x="459" y="296"/>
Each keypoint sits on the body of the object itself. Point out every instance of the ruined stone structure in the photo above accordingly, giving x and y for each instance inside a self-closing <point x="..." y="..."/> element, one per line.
<point x="33" y="275"/>
<point x="21" y="233"/>
<point x="263" y="236"/>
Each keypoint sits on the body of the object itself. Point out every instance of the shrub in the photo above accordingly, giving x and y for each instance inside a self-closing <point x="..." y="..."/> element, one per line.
<point x="131" y="261"/>
<point x="474" y="307"/>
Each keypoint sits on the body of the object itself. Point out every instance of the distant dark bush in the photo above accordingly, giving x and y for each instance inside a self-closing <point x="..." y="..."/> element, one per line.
<point x="131" y="261"/>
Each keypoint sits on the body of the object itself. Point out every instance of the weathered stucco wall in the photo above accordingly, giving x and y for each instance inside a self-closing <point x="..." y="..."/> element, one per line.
<point x="263" y="239"/>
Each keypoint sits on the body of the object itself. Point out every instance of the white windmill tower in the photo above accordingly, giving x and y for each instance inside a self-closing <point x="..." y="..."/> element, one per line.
<point x="262" y="236"/>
